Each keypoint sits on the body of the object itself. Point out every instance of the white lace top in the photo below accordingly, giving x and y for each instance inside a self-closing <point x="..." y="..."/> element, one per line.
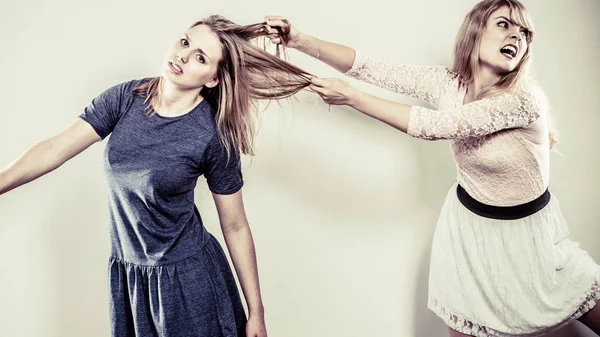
<point x="500" y="144"/>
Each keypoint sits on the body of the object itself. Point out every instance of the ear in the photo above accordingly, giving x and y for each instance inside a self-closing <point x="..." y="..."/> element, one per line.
<point x="212" y="83"/>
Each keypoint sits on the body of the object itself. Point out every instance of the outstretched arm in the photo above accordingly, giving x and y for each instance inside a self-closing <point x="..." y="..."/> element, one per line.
<point x="421" y="82"/>
<point x="336" y="55"/>
<point x="47" y="155"/>
<point x="518" y="108"/>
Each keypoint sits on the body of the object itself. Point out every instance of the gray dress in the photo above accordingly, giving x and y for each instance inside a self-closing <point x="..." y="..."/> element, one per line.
<point x="168" y="276"/>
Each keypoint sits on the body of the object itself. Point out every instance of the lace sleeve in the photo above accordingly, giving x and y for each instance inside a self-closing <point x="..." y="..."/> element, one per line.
<point x="517" y="108"/>
<point x="425" y="83"/>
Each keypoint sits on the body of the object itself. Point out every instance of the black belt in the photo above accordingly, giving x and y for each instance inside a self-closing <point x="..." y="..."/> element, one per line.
<point x="502" y="212"/>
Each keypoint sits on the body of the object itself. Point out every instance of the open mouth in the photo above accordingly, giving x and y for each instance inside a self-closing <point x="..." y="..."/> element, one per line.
<point x="175" y="68"/>
<point x="509" y="51"/>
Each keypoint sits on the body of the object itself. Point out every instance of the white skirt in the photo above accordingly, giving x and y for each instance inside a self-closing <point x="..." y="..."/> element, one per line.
<point x="522" y="277"/>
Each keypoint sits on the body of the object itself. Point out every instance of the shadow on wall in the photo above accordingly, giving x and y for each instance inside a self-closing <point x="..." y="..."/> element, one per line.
<point x="77" y="249"/>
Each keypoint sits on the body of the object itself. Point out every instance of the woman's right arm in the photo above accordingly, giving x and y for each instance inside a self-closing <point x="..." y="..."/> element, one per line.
<point x="47" y="155"/>
<point x="335" y="55"/>
<point x="425" y="83"/>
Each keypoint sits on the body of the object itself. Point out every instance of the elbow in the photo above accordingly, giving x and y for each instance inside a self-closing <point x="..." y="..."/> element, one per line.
<point x="233" y="227"/>
<point x="427" y="136"/>
<point x="50" y="154"/>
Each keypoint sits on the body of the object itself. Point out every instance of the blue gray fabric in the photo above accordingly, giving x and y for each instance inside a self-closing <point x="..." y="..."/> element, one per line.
<point x="168" y="276"/>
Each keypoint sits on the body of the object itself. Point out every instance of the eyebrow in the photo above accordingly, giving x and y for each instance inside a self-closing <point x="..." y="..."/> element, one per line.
<point x="501" y="17"/>
<point x="198" y="49"/>
<point x="511" y="22"/>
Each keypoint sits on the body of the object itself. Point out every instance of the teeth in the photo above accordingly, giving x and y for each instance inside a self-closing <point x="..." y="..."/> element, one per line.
<point x="176" y="67"/>
<point x="511" y="49"/>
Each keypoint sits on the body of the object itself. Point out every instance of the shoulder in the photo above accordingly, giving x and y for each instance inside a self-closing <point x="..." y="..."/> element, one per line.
<point x="127" y="87"/>
<point x="205" y="116"/>
<point x="447" y="75"/>
<point x="121" y="93"/>
<point x="531" y="96"/>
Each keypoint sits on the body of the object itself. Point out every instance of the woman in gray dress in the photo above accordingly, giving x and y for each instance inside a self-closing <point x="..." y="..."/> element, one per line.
<point x="168" y="276"/>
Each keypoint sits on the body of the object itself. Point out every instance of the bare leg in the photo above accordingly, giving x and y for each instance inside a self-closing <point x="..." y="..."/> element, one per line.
<point x="454" y="333"/>
<point x="592" y="319"/>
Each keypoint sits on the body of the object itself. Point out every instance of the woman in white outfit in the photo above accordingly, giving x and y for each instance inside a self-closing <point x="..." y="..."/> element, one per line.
<point x="502" y="262"/>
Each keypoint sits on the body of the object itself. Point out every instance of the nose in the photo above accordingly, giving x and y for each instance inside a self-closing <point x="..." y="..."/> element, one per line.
<point x="183" y="59"/>
<point x="516" y="34"/>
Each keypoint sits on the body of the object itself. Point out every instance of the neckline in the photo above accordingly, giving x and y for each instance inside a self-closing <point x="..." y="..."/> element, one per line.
<point x="196" y="107"/>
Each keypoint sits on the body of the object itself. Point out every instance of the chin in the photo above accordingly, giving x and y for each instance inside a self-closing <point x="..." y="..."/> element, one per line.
<point x="166" y="73"/>
<point x="505" y="68"/>
<point x="173" y="80"/>
<point x="511" y="69"/>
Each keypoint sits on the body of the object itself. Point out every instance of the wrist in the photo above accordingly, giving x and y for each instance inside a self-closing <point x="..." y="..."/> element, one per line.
<point x="308" y="44"/>
<point x="256" y="312"/>
<point x="355" y="97"/>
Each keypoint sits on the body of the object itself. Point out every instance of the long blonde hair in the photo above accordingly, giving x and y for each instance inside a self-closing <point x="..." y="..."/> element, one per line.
<point x="466" y="51"/>
<point x="246" y="73"/>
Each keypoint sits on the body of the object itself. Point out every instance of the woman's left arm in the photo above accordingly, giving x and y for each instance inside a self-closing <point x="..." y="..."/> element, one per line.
<point x="518" y="108"/>
<point x="240" y="244"/>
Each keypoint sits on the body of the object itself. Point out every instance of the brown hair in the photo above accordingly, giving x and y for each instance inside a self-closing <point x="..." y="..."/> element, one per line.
<point x="468" y="40"/>
<point x="246" y="73"/>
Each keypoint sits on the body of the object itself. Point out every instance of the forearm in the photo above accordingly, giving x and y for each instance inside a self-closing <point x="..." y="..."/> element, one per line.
<point x="337" y="56"/>
<point x="241" y="249"/>
<point x="394" y="114"/>
<point x="35" y="162"/>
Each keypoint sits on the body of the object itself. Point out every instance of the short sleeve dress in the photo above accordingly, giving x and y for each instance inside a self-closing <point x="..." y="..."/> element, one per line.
<point x="168" y="276"/>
